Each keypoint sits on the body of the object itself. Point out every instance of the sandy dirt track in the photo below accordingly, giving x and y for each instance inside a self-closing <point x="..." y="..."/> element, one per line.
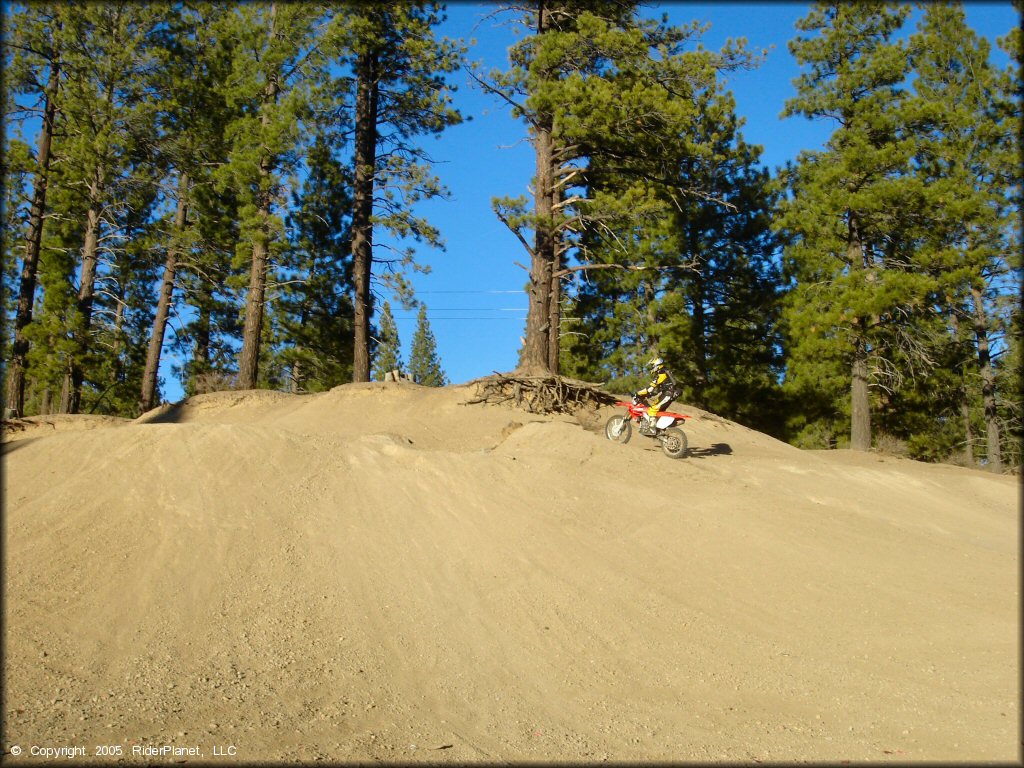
<point x="382" y="572"/>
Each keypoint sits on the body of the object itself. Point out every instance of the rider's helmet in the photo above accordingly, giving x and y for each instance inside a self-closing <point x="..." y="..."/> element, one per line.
<point x="656" y="364"/>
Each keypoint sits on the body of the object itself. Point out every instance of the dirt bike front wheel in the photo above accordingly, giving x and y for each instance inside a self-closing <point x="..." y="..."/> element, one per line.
<point x="618" y="429"/>
<point x="673" y="443"/>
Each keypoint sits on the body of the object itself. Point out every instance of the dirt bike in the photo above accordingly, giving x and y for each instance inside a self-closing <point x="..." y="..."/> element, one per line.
<point x="673" y="440"/>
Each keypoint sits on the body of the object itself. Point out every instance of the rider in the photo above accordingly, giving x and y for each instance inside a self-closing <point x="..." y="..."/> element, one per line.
<point x="661" y="388"/>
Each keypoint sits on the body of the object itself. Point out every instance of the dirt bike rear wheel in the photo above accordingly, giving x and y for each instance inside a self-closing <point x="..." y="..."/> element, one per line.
<point x="673" y="443"/>
<point x="618" y="429"/>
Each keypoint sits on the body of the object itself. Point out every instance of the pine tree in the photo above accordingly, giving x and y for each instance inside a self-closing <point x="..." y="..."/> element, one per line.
<point x="209" y="329"/>
<point x="193" y="63"/>
<point x="209" y="274"/>
<point x="848" y="256"/>
<point x="602" y="91"/>
<point x="708" y="298"/>
<point x="388" y="353"/>
<point x="106" y="116"/>
<point x="963" y="165"/>
<point x="424" y="364"/>
<point x="1010" y="365"/>
<point x="718" y="321"/>
<point x="122" y="308"/>
<point x="397" y="90"/>
<point x="19" y="168"/>
<point x="270" y="87"/>
<point x="148" y="392"/>
<point x="316" y="304"/>
<point x="34" y="53"/>
<point x="50" y="345"/>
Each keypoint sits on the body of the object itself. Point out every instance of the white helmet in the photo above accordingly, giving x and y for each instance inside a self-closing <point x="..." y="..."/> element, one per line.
<point x="656" y="364"/>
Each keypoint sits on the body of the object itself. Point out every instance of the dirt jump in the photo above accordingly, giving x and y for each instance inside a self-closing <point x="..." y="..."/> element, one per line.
<point x="388" y="572"/>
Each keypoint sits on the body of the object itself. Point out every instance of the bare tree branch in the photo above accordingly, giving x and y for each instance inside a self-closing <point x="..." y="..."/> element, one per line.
<point x="515" y="231"/>
<point x="491" y="89"/>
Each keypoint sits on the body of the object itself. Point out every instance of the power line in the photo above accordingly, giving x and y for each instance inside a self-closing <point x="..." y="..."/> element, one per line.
<point x="476" y="309"/>
<point x="464" y="317"/>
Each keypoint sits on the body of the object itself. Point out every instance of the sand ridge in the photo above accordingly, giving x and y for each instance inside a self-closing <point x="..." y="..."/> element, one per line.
<point x="383" y="572"/>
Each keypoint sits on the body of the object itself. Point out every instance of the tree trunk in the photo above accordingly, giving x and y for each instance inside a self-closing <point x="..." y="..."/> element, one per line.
<point x="252" y="333"/>
<point x="860" y="413"/>
<point x="536" y="353"/>
<point x="965" y="408"/>
<point x="163" y="307"/>
<point x="988" y="384"/>
<point x="298" y="372"/>
<point x="699" y="329"/>
<point x="15" y="395"/>
<point x="71" y="396"/>
<point x="965" y="415"/>
<point x="362" y="208"/>
<point x="860" y="402"/>
<point x="554" y="318"/>
<point x="118" y="345"/>
<point x="202" y="334"/>
<point x="66" y="391"/>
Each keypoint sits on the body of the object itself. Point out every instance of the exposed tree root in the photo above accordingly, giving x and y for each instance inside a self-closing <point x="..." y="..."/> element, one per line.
<point x="544" y="393"/>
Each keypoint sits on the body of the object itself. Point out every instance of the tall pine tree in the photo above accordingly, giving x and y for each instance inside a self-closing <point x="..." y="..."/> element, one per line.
<point x="34" y="68"/>
<point x="963" y="163"/>
<point x="602" y="91"/>
<point x="316" y="300"/>
<point x="395" y="86"/>
<point x="848" y="257"/>
<point x="269" y="86"/>
<point x="106" y="119"/>
<point x="708" y="299"/>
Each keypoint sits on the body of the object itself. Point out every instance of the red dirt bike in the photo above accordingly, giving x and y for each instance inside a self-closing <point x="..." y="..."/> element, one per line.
<point x="673" y="440"/>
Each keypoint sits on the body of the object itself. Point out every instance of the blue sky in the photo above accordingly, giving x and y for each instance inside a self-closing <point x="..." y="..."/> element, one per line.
<point x="474" y="291"/>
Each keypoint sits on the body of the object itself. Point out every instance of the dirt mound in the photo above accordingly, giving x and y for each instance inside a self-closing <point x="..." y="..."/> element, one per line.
<point x="36" y="426"/>
<point x="382" y="572"/>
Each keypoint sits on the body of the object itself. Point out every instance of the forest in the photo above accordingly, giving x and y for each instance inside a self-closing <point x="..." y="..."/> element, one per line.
<point x="228" y="181"/>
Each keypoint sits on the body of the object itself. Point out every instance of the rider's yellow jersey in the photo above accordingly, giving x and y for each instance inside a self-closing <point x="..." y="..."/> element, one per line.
<point x="658" y="381"/>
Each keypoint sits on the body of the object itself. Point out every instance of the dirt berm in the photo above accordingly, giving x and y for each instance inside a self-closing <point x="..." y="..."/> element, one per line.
<point x="383" y="572"/>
